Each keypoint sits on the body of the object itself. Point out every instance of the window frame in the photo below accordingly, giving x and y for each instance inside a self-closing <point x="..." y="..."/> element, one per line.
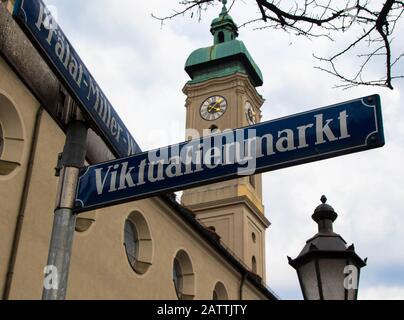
<point x="177" y="278"/>
<point x="140" y="252"/>
<point x="183" y="271"/>
<point x="134" y="235"/>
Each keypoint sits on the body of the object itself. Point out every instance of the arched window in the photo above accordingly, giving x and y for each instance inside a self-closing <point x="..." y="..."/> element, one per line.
<point x="212" y="228"/>
<point x="215" y="296"/>
<point x="213" y="128"/>
<point x="138" y="243"/>
<point x="221" y="36"/>
<point x="254" y="264"/>
<point x="220" y="292"/>
<point x="254" y="237"/>
<point x="183" y="276"/>
<point x="11" y="137"/>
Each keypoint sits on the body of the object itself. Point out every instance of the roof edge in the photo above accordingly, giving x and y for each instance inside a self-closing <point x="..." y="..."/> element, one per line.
<point x="189" y="217"/>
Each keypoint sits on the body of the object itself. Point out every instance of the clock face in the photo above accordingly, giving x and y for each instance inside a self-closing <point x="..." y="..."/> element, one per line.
<point x="250" y="113"/>
<point x="213" y="108"/>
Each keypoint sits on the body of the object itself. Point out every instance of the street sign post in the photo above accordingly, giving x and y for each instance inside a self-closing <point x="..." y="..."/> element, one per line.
<point x="310" y="136"/>
<point x="40" y="26"/>
<point x="64" y="221"/>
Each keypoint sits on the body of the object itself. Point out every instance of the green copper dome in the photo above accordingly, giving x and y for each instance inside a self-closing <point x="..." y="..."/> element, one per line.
<point x="224" y="18"/>
<point x="227" y="55"/>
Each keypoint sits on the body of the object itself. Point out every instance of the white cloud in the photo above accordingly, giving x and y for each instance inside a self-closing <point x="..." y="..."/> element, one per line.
<point x="381" y="293"/>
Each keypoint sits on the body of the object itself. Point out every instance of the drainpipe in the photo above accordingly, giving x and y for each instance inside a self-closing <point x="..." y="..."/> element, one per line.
<point x="242" y="285"/>
<point x="23" y="204"/>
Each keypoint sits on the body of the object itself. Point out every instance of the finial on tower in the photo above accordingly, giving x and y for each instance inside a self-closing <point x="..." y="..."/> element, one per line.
<point x="224" y="9"/>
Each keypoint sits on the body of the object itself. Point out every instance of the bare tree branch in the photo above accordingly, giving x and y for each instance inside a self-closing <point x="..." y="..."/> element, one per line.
<point x="190" y="6"/>
<point x="327" y="19"/>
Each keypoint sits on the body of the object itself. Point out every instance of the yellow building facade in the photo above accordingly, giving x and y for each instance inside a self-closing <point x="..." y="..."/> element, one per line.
<point x="209" y="245"/>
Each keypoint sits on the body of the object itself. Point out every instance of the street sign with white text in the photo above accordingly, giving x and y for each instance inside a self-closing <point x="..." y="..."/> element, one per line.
<point x="38" y="23"/>
<point x="309" y="136"/>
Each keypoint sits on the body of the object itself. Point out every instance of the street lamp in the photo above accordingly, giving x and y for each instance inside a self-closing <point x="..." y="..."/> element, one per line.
<point x="327" y="269"/>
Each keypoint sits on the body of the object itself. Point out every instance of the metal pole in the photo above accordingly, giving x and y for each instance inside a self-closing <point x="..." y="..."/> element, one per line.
<point x="57" y="269"/>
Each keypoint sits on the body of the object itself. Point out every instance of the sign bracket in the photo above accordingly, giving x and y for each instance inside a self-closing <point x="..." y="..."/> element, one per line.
<point x="60" y="248"/>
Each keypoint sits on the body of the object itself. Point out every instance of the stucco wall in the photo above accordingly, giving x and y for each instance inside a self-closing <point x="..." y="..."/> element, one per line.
<point x="99" y="266"/>
<point x="18" y="106"/>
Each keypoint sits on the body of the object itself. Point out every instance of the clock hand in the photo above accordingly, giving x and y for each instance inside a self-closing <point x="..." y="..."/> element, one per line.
<point x="218" y="101"/>
<point x="214" y="106"/>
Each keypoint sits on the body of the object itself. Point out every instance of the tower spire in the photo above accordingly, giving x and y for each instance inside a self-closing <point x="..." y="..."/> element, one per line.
<point x="226" y="47"/>
<point x="223" y="27"/>
<point x="224" y="9"/>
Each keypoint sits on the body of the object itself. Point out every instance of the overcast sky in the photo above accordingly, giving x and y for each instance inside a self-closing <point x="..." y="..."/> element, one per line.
<point x="140" y="67"/>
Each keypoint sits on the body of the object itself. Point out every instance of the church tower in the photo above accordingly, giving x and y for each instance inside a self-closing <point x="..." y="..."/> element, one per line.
<point x="222" y="95"/>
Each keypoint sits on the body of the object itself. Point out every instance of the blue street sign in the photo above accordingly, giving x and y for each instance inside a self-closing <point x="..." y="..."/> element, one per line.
<point x="310" y="136"/>
<point x="37" y="22"/>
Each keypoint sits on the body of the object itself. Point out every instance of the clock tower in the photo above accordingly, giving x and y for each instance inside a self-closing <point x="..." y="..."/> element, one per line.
<point x="222" y="95"/>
